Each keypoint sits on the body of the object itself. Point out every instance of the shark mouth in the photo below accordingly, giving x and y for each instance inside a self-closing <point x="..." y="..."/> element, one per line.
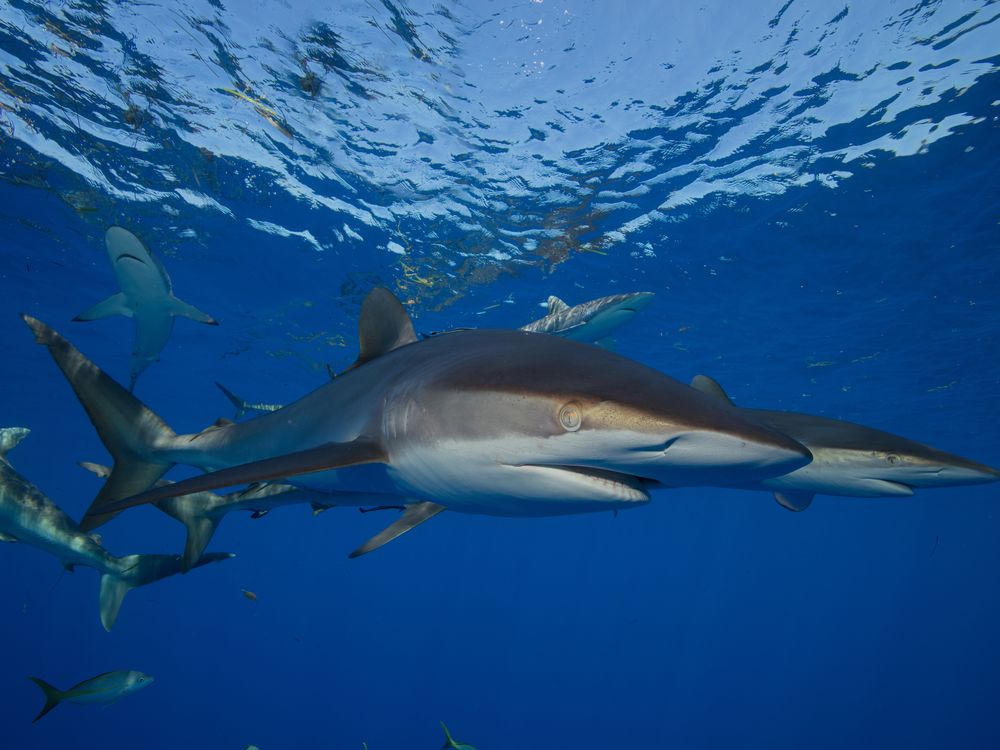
<point x="600" y="483"/>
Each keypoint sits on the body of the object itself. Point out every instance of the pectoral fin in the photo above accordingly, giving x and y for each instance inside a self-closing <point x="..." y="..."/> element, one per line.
<point x="116" y="304"/>
<point x="323" y="458"/>
<point x="413" y="516"/>
<point x="184" y="310"/>
<point x="794" y="500"/>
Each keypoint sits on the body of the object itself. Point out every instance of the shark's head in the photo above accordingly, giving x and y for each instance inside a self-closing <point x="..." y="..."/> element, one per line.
<point x="601" y="317"/>
<point x="564" y="413"/>
<point x="140" y="274"/>
<point x="855" y="460"/>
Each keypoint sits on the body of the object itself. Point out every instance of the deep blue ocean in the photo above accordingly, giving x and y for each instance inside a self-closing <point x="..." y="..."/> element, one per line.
<point x="810" y="189"/>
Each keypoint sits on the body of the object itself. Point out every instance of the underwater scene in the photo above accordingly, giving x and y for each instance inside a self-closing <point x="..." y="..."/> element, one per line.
<point x="630" y="372"/>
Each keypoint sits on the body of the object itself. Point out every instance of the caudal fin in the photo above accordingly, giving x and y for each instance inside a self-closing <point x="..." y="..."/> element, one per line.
<point x="139" y="570"/>
<point x="126" y="426"/>
<point x="242" y="407"/>
<point x="53" y="697"/>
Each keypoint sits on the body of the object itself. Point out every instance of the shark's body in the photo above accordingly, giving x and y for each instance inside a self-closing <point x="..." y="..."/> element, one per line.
<point x="852" y="460"/>
<point x="480" y="421"/>
<point x="590" y="322"/>
<point x="146" y="296"/>
<point x="27" y="515"/>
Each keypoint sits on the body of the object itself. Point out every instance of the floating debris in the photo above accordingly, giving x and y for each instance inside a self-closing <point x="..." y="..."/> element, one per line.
<point x="249" y="595"/>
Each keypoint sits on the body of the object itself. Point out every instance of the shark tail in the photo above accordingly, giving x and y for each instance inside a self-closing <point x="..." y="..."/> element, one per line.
<point x="199" y="534"/>
<point x="53" y="697"/>
<point x="128" y="428"/>
<point x="139" y="570"/>
<point x="448" y="741"/>
<point x="242" y="407"/>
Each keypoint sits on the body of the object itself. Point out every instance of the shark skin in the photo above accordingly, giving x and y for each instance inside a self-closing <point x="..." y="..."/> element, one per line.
<point x="590" y="322"/>
<point x="27" y="515"/>
<point x="493" y="422"/>
<point x="852" y="460"/>
<point x="146" y="296"/>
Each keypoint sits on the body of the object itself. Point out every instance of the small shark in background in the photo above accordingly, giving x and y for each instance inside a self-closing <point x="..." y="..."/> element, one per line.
<point x="202" y="512"/>
<point x="101" y="690"/>
<point x="855" y="461"/>
<point x="28" y="516"/>
<point x="491" y="422"/>
<point x="450" y="743"/>
<point x="146" y="296"/>
<point x="591" y="322"/>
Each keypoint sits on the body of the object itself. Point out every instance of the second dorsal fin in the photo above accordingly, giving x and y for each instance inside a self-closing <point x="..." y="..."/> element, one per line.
<point x="710" y="387"/>
<point x="383" y="325"/>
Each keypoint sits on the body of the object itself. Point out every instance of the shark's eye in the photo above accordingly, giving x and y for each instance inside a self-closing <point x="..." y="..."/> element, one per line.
<point x="570" y="417"/>
<point x="892" y="458"/>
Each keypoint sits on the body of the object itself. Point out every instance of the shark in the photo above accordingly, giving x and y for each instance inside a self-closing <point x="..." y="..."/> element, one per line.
<point x="202" y="512"/>
<point x="146" y="296"/>
<point x="27" y="515"/>
<point x="852" y="460"/>
<point x="490" y="422"/>
<point x="593" y="321"/>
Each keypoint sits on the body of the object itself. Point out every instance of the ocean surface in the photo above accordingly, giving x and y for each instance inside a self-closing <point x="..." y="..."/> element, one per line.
<point x="810" y="189"/>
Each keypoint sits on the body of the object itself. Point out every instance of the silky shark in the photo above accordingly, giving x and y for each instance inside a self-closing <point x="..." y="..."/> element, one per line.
<point x="146" y="296"/>
<point x="495" y="422"/>
<point x="855" y="461"/>
<point x="591" y="322"/>
<point x="202" y="512"/>
<point x="27" y="515"/>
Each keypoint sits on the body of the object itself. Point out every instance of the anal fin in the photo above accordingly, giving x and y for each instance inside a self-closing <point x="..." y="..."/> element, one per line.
<point x="414" y="515"/>
<point x="793" y="500"/>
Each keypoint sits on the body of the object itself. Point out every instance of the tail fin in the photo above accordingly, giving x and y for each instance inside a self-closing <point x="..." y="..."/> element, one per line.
<point x="126" y="426"/>
<point x="139" y="570"/>
<point x="53" y="697"/>
<point x="448" y="741"/>
<point x="242" y="407"/>
<point x="200" y="526"/>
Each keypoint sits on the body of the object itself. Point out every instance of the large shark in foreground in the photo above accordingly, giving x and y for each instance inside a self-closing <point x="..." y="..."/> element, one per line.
<point x="146" y="296"/>
<point x="590" y="322"/>
<point x="855" y="461"/>
<point x="493" y="422"/>
<point x="27" y="515"/>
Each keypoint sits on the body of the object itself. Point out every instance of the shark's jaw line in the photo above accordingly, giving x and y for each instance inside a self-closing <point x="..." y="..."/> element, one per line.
<point x="632" y="488"/>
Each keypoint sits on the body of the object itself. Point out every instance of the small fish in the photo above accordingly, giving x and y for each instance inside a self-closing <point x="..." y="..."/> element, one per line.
<point x="450" y="743"/>
<point x="104" y="689"/>
<point x="249" y="595"/>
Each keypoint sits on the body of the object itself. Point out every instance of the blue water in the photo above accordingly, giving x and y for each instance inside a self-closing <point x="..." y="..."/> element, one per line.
<point x="810" y="189"/>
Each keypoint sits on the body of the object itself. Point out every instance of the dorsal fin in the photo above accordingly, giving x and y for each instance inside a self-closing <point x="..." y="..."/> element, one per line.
<point x="382" y="326"/>
<point x="556" y="305"/>
<point x="9" y="438"/>
<point x="710" y="387"/>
